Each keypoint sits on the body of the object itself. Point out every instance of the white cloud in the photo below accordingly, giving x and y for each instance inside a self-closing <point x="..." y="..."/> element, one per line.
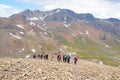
<point x="99" y="8"/>
<point x="6" y="10"/>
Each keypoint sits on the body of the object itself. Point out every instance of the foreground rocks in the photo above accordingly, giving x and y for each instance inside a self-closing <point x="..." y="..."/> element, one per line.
<point x="37" y="69"/>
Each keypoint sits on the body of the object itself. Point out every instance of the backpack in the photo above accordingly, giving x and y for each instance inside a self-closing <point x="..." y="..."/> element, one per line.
<point x="68" y="57"/>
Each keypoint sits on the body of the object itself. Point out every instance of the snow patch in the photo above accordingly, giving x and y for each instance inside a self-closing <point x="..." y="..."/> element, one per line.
<point x="41" y="28"/>
<point x="87" y="32"/>
<point x="33" y="18"/>
<point x="20" y="26"/>
<point x="45" y="33"/>
<point x="64" y="18"/>
<point x="23" y="49"/>
<point x="100" y="29"/>
<point x="57" y="11"/>
<point x="107" y="46"/>
<point x="32" y="23"/>
<point x="81" y="21"/>
<point x="27" y="56"/>
<point x="41" y="18"/>
<point x="51" y="13"/>
<point x="81" y="33"/>
<point x="100" y="62"/>
<point x="21" y="33"/>
<point x="15" y="36"/>
<point x="87" y="21"/>
<point x="67" y="25"/>
<point x="33" y="50"/>
<point x="44" y="24"/>
<point x="83" y="39"/>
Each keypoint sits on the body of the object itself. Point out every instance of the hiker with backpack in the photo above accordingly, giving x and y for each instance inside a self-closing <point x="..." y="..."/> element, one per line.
<point x="39" y="56"/>
<point x="68" y="58"/>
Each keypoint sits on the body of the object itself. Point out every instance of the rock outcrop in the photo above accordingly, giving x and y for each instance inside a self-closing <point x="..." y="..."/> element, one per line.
<point x="37" y="69"/>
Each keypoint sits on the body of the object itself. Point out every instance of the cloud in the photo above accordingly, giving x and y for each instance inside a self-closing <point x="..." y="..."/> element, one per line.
<point x="99" y="8"/>
<point x="6" y="10"/>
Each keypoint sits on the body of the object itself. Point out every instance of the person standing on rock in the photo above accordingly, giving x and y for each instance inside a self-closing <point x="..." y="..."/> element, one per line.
<point x="75" y="60"/>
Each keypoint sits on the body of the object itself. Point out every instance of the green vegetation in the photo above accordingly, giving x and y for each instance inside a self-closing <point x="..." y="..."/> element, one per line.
<point x="88" y="50"/>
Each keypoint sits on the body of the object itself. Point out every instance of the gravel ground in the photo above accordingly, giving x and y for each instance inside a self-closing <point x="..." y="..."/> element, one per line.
<point x="37" y="69"/>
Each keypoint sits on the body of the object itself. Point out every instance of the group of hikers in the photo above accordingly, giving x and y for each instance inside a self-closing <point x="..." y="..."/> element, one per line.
<point x="60" y="57"/>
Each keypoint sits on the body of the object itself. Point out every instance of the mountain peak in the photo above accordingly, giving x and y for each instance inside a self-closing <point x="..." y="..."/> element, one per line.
<point x="27" y="10"/>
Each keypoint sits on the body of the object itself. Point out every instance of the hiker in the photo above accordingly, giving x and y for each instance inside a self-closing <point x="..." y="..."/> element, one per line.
<point x="58" y="57"/>
<point x="64" y="58"/>
<point x="34" y="56"/>
<point x="68" y="58"/>
<point x="75" y="60"/>
<point x="46" y="56"/>
<point x="52" y="57"/>
<point x="41" y="56"/>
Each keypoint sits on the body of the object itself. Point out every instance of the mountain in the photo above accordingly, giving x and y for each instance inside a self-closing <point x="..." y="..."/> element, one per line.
<point x="62" y="30"/>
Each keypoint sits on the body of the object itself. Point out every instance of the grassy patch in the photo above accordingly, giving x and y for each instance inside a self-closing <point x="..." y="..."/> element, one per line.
<point x="86" y="49"/>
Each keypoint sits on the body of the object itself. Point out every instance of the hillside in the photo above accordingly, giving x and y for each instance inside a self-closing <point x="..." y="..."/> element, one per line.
<point x="29" y="32"/>
<point x="37" y="69"/>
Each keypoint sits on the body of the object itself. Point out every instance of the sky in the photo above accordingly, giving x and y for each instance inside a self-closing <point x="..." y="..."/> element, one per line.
<point x="99" y="8"/>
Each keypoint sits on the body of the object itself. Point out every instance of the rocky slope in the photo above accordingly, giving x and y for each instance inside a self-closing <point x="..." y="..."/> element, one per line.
<point x="37" y="69"/>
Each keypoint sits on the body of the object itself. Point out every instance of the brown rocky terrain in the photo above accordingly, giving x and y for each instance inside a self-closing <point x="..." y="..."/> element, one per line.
<point x="37" y="69"/>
